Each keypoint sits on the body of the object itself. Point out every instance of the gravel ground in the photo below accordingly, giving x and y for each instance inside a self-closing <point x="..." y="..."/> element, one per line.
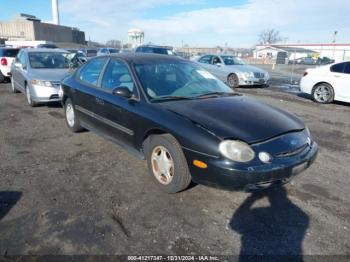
<point x="65" y="193"/>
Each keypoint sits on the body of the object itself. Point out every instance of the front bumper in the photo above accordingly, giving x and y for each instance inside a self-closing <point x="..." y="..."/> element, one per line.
<point x="253" y="81"/>
<point x="222" y="173"/>
<point x="42" y="94"/>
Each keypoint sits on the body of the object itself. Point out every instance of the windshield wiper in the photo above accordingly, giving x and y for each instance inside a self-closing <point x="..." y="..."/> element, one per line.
<point x="211" y="94"/>
<point x="167" y="98"/>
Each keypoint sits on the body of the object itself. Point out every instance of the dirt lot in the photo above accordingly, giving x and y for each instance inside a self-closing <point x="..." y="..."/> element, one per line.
<point x="79" y="194"/>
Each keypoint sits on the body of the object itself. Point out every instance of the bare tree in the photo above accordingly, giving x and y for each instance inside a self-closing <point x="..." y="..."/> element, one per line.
<point x="270" y="36"/>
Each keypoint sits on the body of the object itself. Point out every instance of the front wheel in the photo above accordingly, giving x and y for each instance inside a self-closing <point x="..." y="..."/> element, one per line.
<point x="72" y="120"/>
<point x="166" y="163"/>
<point x="14" y="89"/>
<point x="233" y="81"/>
<point x="29" y="97"/>
<point x="323" y="93"/>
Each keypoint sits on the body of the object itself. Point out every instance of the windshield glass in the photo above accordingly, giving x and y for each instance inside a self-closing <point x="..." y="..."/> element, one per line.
<point x="231" y="60"/>
<point x="178" y="79"/>
<point x="46" y="60"/>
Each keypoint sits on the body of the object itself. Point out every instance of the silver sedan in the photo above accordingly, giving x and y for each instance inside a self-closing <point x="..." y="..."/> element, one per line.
<point x="38" y="73"/>
<point x="233" y="70"/>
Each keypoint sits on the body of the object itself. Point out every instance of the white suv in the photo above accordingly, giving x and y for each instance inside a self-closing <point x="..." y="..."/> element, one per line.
<point x="7" y="55"/>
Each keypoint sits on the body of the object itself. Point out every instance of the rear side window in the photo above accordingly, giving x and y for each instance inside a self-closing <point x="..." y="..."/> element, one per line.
<point x="205" y="59"/>
<point x="9" y="52"/>
<point x="338" y="68"/>
<point x="92" y="70"/>
<point x="347" y="68"/>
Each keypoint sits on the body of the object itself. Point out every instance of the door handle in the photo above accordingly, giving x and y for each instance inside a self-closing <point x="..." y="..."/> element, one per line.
<point x="336" y="76"/>
<point x="99" y="101"/>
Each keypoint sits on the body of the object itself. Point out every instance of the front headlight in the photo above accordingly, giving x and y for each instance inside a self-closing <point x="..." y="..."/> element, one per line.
<point x="236" y="150"/>
<point x="248" y="74"/>
<point x="41" y="83"/>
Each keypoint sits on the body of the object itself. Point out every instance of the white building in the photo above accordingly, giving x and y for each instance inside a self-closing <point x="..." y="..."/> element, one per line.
<point x="338" y="52"/>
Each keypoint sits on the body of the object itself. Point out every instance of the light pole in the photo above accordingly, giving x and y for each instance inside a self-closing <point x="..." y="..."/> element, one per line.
<point x="334" y="40"/>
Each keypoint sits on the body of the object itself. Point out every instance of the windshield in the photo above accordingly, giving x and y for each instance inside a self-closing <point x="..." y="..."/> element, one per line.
<point x="178" y="80"/>
<point x="9" y="52"/>
<point x="48" y="60"/>
<point x="231" y="60"/>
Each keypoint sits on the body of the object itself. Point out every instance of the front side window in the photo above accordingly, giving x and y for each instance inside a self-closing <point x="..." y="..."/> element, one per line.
<point x="231" y="60"/>
<point x="216" y="60"/>
<point x="205" y="59"/>
<point x="48" y="60"/>
<point x="92" y="70"/>
<point x="117" y="75"/>
<point x="338" y="68"/>
<point x="177" y="79"/>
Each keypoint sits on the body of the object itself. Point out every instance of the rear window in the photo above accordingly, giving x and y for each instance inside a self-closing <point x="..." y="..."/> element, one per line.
<point x="338" y="68"/>
<point x="9" y="52"/>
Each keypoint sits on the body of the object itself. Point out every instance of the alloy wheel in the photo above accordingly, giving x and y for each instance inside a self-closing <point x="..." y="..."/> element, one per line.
<point x="162" y="165"/>
<point x="322" y="93"/>
<point x="70" y="115"/>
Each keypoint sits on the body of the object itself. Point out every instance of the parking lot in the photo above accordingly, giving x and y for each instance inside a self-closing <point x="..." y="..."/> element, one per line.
<point x="80" y="194"/>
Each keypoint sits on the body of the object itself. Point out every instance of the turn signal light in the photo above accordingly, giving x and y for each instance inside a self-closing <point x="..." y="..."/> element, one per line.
<point x="200" y="164"/>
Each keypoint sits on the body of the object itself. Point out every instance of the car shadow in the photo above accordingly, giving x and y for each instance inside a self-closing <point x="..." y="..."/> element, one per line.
<point x="276" y="230"/>
<point x="8" y="199"/>
<point x="309" y="97"/>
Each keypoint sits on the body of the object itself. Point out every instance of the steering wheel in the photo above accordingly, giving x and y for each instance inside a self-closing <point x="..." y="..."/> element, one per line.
<point x="189" y="88"/>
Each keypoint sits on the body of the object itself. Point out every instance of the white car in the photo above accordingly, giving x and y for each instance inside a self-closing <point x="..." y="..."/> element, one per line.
<point x="233" y="71"/>
<point x="7" y="55"/>
<point x="327" y="83"/>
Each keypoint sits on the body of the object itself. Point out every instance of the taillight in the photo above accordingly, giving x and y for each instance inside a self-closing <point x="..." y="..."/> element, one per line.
<point x="305" y="73"/>
<point x="4" y="61"/>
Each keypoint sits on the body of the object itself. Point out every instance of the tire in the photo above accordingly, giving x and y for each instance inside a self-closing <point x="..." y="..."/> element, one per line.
<point x="233" y="81"/>
<point x="2" y="77"/>
<point x="29" y="97"/>
<point x="323" y="93"/>
<point x="72" y="119"/>
<point x="14" y="89"/>
<point x="178" y="176"/>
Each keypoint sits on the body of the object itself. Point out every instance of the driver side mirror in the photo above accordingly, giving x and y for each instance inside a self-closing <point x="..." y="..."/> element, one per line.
<point x="18" y="65"/>
<point x="122" y="91"/>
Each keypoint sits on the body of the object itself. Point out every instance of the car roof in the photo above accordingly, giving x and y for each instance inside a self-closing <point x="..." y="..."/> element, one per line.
<point x="144" y="58"/>
<point x="46" y="50"/>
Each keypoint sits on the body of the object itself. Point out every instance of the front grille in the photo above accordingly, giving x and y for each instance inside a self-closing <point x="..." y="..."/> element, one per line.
<point x="292" y="152"/>
<point x="259" y="75"/>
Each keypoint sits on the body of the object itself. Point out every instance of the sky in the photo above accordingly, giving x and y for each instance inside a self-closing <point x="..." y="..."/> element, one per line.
<point x="205" y="23"/>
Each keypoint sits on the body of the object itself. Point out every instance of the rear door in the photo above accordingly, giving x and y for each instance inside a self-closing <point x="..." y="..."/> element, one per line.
<point x="340" y="80"/>
<point x="85" y="95"/>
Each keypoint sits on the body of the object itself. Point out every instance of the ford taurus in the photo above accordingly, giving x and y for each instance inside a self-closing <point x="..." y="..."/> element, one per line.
<point x="186" y="123"/>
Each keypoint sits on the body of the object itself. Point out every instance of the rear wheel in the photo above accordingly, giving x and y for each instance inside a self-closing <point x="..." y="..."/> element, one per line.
<point x="72" y="120"/>
<point x="323" y="93"/>
<point x="166" y="163"/>
<point x="233" y="81"/>
<point x="2" y="77"/>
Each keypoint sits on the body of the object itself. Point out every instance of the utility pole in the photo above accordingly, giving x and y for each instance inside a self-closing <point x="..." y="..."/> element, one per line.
<point x="334" y="40"/>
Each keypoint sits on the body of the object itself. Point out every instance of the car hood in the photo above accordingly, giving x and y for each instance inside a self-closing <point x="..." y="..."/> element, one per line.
<point x="244" y="68"/>
<point x="48" y="74"/>
<point x="236" y="117"/>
